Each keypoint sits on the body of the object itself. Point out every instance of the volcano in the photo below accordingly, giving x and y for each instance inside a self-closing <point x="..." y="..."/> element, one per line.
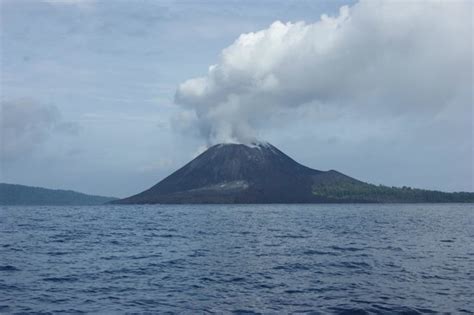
<point x="260" y="173"/>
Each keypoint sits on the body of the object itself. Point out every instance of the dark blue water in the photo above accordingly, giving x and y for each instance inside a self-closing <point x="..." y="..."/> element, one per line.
<point x="242" y="259"/>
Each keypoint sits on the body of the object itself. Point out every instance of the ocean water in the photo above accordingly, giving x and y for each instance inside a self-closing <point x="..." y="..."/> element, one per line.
<point x="321" y="259"/>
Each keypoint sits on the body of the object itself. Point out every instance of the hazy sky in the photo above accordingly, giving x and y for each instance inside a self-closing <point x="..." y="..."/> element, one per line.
<point x="109" y="97"/>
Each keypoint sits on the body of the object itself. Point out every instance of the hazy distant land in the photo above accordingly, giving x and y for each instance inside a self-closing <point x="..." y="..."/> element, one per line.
<point x="11" y="194"/>
<point x="242" y="174"/>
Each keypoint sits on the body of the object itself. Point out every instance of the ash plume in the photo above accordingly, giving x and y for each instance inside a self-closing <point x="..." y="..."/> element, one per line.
<point x="392" y="57"/>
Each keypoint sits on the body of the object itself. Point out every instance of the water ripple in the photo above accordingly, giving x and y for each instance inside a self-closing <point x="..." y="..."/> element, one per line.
<point x="253" y="259"/>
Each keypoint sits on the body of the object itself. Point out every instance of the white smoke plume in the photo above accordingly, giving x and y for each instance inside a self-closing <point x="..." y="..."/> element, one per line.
<point x="397" y="57"/>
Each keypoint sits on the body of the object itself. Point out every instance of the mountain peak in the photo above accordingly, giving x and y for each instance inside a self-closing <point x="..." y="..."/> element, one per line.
<point x="231" y="172"/>
<point x="260" y="173"/>
<point x="253" y="144"/>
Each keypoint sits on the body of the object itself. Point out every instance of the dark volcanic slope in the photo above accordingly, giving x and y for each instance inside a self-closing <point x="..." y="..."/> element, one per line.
<point x="237" y="173"/>
<point x="11" y="194"/>
<point x="260" y="173"/>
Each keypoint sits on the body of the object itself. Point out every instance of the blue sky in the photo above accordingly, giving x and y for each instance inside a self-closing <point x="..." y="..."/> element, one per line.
<point x="88" y="97"/>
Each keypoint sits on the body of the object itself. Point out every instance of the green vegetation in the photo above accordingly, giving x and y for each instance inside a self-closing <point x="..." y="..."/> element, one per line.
<point x="362" y="192"/>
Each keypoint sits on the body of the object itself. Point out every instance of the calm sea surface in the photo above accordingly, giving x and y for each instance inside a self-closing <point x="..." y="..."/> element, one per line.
<point x="243" y="259"/>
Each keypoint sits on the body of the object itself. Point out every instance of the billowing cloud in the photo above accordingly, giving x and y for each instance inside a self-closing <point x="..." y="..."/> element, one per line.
<point x="382" y="57"/>
<point x="25" y="125"/>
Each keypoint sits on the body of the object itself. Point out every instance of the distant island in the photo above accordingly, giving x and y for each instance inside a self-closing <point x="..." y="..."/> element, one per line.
<point x="11" y="194"/>
<point x="260" y="173"/>
<point x="245" y="174"/>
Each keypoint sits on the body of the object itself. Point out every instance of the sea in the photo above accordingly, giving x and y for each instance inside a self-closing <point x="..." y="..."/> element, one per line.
<point x="241" y="259"/>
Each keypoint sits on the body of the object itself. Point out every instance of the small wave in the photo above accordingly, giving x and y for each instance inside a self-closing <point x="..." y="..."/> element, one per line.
<point x="396" y="309"/>
<point x="71" y="311"/>
<point x="244" y="312"/>
<point x="236" y="279"/>
<point x="124" y="272"/>
<point x="349" y="311"/>
<point x="318" y="252"/>
<point x="272" y="245"/>
<point x="57" y="253"/>
<point x="174" y="262"/>
<point x="426" y="310"/>
<point x="9" y="268"/>
<point x="4" y="308"/>
<point x="435" y="277"/>
<point x="267" y="286"/>
<point x="150" y="302"/>
<point x="61" y="279"/>
<point x="346" y="249"/>
<point x="291" y="236"/>
<point x="170" y="236"/>
<point x="352" y="265"/>
<point x="292" y="267"/>
<point x="294" y="291"/>
<point x="198" y="253"/>
<point x="461" y="310"/>
<point x="7" y="287"/>
<point x="146" y="256"/>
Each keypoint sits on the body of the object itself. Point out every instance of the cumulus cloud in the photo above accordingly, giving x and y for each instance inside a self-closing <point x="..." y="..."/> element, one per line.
<point x="25" y="125"/>
<point x="386" y="57"/>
